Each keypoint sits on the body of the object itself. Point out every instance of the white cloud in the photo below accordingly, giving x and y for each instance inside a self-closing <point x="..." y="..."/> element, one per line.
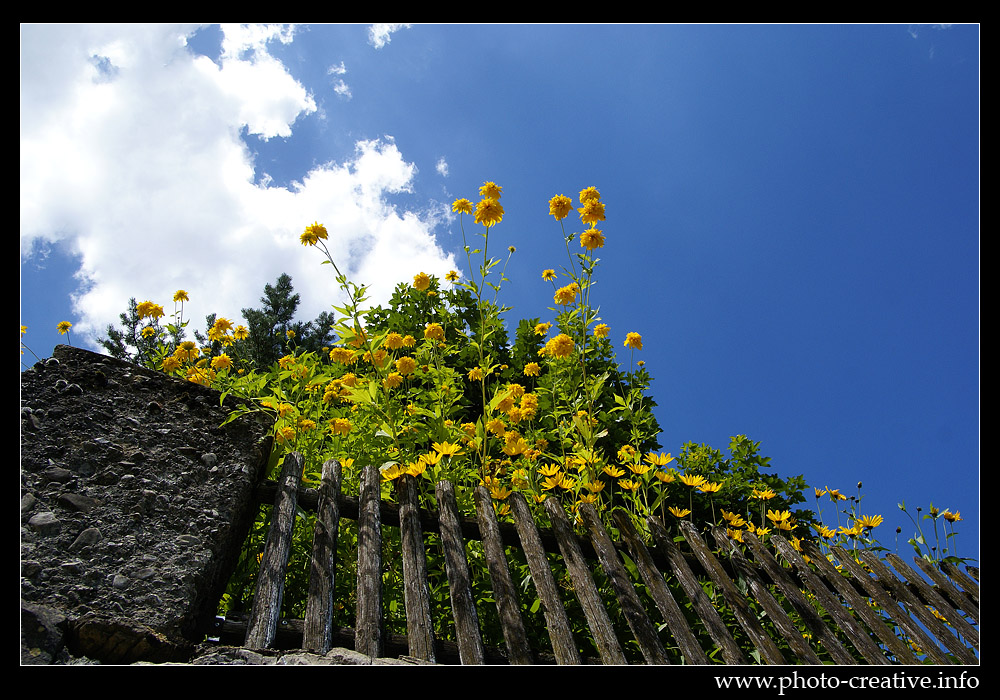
<point x="381" y="34"/>
<point x="133" y="158"/>
<point x="442" y="167"/>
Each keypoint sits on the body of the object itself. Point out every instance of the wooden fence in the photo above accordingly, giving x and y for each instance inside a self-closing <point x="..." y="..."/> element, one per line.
<point x="869" y="607"/>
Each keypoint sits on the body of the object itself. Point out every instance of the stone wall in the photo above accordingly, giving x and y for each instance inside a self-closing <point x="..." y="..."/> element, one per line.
<point x="134" y="504"/>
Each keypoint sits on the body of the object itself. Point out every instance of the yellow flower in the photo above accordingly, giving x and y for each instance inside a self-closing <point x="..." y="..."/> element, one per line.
<point x="406" y="365"/>
<point x="148" y="308"/>
<point x="285" y="409"/>
<point x="170" y="364"/>
<point x="639" y="469"/>
<point x="551" y="482"/>
<point x="560" y="346"/>
<point x="548" y="469"/>
<point x="393" y="380"/>
<point x="835" y="495"/>
<point x="222" y="362"/>
<point x="560" y="206"/>
<point x="181" y="295"/>
<point x="421" y="281"/>
<point x="434" y="331"/>
<point x="629" y="485"/>
<point x="776" y="516"/>
<point x="664" y="476"/>
<point x="285" y="434"/>
<point x="591" y="239"/>
<point x="765" y="495"/>
<point x="601" y="330"/>
<point x="393" y="471"/>
<point x="633" y="340"/>
<point x="148" y="332"/>
<point x="186" y="351"/>
<point x="542" y="328"/>
<point x="734" y="519"/>
<point x="679" y="512"/>
<point x="951" y="517"/>
<point x="567" y="295"/>
<point x="476" y="374"/>
<point x="613" y="471"/>
<point x="824" y="531"/>
<point x="489" y="212"/>
<point x="342" y="356"/>
<point x="735" y="534"/>
<point x="499" y="492"/>
<point x="595" y="486"/>
<point x="462" y="205"/>
<point x="490" y="190"/>
<point x="589" y="194"/>
<point x="241" y="332"/>
<point x="305" y="424"/>
<point x="710" y="487"/>
<point x="532" y="369"/>
<point x="592" y="211"/>
<point x="446" y="448"/>
<point x="659" y="460"/>
<point x="340" y="426"/>
<point x="818" y="492"/>
<point x="548" y="275"/>
<point x="451" y="276"/>
<point x="313" y="234"/>
<point x="394" y="341"/>
<point x="871" y="520"/>
<point x="693" y="480"/>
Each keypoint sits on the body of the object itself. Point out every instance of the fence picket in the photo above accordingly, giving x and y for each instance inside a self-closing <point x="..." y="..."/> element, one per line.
<point x="638" y="621"/>
<point x="583" y="585"/>
<point x="730" y="650"/>
<point x="744" y="615"/>
<point x="557" y="622"/>
<point x="266" y="609"/>
<point x="368" y="628"/>
<point x="463" y="606"/>
<point x="318" y="630"/>
<point x="504" y="591"/>
<point x="416" y="593"/>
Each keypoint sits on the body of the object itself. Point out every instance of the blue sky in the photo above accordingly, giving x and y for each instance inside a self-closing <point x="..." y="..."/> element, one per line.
<point x="792" y="211"/>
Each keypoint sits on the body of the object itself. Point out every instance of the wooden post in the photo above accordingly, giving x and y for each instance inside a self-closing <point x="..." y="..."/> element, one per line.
<point x="557" y="622"/>
<point x="668" y="607"/>
<point x="584" y="587"/>
<point x="266" y="611"/>
<point x="504" y="590"/>
<point x="416" y="593"/>
<point x="318" y="631"/>
<point x="644" y="630"/>
<point x="463" y="607"/>
<point x="368" y="628"/>
<point x="731" y="652"/>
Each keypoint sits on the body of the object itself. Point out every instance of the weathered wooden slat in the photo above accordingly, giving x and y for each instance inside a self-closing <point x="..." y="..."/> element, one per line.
<point x="809" y="615"/>
<point x="643" y="630"/>
<point x="741" y="609"/>
<point x="368" y="629"/>
<point x="968" y="581"/>
<point x="583" y="586"/>
<point x="917" y="608"/>
<point x="960" y="625"/>
<point x="463" y="606"/>
<point x="876" y="623"/>
<point x="556" y="621"/>
<point x="504" y="591"/>
<point x="877" y="590"/>
<point x="958" y="599"/>
<point x="678" y="565"/>
<point x="266" y="610"/>
<point x="416" y="589"/>
<point x="318" y="630"/>
<point x="658" y="590"/>
<point x="759" y="591"/>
